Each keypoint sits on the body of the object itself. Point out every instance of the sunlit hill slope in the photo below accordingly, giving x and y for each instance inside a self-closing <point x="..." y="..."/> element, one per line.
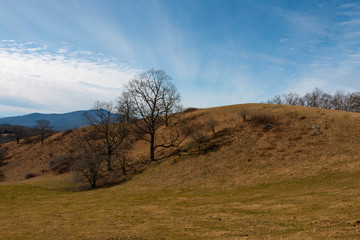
<point x="286" y="172"/>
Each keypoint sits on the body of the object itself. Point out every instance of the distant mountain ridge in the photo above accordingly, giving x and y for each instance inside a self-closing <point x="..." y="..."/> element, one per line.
<point x="59" y="122"/>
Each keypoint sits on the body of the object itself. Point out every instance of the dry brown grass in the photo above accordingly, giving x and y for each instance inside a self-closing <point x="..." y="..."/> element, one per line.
<point x="249" y="183"/>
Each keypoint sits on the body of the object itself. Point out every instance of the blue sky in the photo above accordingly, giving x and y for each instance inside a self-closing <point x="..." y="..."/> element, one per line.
<point x="61" y="56"/>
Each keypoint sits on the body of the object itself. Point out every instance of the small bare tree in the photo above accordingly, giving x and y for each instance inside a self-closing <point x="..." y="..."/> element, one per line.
<point x="109" y="126"/>
<point x="354" y="100"/>
<point x="197" y="133"/>
<point x="325" y="101"/>
<point x="43" y="126"/>
<point x="313" y="99"/>
<point x="89" y="162"/>
<point x="301" y="101"/>
<point x="291" y="98"/>
<point x="89" y="166"/>
<point x="212" y="123"/>
<point x="125" y="107"/>
<point x="338" y="101"/>
<point x="19" y="132"/>
<point x="276" y="100"/>
<point x="243" y="114"/>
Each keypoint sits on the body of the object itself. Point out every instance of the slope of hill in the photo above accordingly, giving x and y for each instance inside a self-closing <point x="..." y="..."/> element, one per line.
<point x="285" y="173"/>
<point x="60" y="122"/>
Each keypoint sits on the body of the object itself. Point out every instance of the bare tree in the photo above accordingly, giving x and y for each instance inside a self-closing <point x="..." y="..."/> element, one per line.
<point x="211" y="124"/>
<point x="313" y="99"/>
<point x="301" y="101"/>
<point x="125" y="107"/>
<point x="154" y="97"/>
<point x="198" y="134"/>
<point x="325" y="101"/>
<point x="276" y="100"/>
<point x="19" y="132"/>
<point x="243" y="114"/>
<point x="89" y="166"/>
<point x="121" y="156"/>
<point x="170" y="101"/>
<point x="109" y="126"/>
<point x="43" y="126"/>
<point x="291" y="98"/>
<point x="354" y="101"/>
<point x="88" y="162"/>
<point x="338" y="100"/>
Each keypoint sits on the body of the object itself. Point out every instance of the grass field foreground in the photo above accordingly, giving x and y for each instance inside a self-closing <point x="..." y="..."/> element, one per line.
<point x="301" y="208"/>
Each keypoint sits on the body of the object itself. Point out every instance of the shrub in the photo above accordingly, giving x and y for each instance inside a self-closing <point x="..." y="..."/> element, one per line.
<point x="197" y="132"/>
<point x="2" y="156"/>
<point x="61" y="163"/>
<point x="2" y="153"/>
<point x="67" y="132"/>
<point x="29" y="140"/>
<point x="2" y="176"/>
<point x="263" y="119"/>
<point x="211" y="124"/>
<point x="190" y="109"/>
<point x="199" y="139"/>
<point x="243" y="114"/>
<point x="30" y="175"/>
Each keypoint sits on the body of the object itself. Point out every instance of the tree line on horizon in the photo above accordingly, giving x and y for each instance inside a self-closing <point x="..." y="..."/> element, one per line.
<point x="317" y="98"/>
<point x="10" y="132"/>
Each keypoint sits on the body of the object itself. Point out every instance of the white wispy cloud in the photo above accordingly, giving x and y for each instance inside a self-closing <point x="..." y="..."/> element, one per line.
<point x="34" y="78"/>
<point x="339" y="72"/>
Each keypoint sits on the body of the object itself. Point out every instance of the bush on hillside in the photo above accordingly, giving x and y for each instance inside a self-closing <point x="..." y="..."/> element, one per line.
<point x="2" y="176"/>
<point x="30" y="175"/>
<point x="67" y="132"/>
<point x="29" y="140"/>
<point x="2" y="156"/>
<point x="61" y="163"/>
<point x="2" y="153"/>
<point x="243" y="114"/>
<point x="190" y="109"/>
<point x="263" y="119"/>
<point x="198" y="133"/>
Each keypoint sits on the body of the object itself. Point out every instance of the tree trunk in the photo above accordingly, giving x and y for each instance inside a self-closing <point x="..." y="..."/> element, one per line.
<point x="109" y="160"/>
<point x="166" y="120"/>
<point x="123" y="167"/>
<point x="42" y="138"/>
<point x="152" y="147"/>
<point x="93" y="183"/>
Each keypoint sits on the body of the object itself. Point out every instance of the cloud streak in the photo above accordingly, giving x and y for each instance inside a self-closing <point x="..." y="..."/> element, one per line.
<point x="56" y="81"/>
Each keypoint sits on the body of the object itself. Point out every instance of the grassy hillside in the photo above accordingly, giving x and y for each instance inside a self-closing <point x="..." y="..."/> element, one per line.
<point x="270" y="177"/>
